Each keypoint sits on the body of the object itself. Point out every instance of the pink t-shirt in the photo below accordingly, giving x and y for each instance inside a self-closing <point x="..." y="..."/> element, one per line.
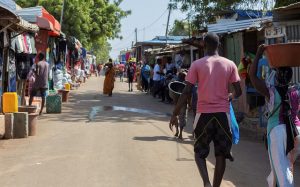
<point x="213" y="75"/>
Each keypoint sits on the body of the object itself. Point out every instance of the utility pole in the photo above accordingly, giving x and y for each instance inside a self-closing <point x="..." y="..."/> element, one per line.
<point x="167" y="29"/>
<point x="189" y="16"/>
<point x="136" y="55"/>
<point x="135" y="30"/>
<point x="62" y="14"/>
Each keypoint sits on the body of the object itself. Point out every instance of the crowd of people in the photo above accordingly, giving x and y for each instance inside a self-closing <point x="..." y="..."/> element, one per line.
<point x="212" y="76"/>
<point x="150" y="78"/>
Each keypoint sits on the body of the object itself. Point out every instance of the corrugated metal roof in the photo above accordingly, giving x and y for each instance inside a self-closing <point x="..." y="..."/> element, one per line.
<point x="235" y="26"/>
<point x="18" y="24"/>
<point x="174" y="38"/>
<point x="30" y="14"/>
<point x="8" y="4"/>
<point x="160" y="40"/>
<point x="287" y="8"/>
<point x="287" y="13"/>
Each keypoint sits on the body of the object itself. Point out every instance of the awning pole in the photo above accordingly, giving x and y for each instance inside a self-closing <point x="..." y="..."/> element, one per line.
<point x="7" y="26"/>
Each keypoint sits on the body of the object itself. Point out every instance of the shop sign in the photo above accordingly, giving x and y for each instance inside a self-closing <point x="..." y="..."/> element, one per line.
<point x="275" y="32"/>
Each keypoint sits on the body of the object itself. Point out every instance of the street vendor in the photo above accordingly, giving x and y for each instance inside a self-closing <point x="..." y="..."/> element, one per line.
<point x="283" y="123"/>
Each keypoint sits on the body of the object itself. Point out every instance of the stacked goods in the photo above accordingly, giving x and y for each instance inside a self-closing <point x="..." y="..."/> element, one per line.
<point x="58" y="77"/>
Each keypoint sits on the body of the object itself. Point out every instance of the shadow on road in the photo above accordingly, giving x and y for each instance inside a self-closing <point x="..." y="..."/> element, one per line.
<point x="129" y="109"/>
<point x="249" y="156"/>
<point x="163" y="138"/>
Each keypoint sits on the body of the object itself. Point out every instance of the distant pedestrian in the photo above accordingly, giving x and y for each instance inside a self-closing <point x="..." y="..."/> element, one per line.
<point x="99" y="68"/>
<point x="109" y="80"/>
<point x="182" y="117"/>
<point x="158" y="77"/>
<point x="41" y="80"/>
<point x="130" y="76"/>
<point x="121" y="69"/>
<point x="146" y="71"/>
<point x="213" y="74"/>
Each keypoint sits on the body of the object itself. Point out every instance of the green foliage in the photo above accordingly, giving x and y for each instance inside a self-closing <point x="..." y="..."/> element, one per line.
<point x="101" y="49"/>
<point x="92" y="22"/>
<point x="204" y="11"/>
<point x="280" y="3"/>
<point x="180" y="28"/>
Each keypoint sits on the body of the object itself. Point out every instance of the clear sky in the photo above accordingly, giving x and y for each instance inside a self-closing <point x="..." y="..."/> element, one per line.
<point x="149" y="14"/>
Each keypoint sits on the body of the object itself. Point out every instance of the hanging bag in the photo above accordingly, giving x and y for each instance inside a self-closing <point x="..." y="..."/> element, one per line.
<point x="234" y="126"/>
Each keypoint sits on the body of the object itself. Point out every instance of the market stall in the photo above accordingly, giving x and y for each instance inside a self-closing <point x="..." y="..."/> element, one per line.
<point x="17" y="44"/>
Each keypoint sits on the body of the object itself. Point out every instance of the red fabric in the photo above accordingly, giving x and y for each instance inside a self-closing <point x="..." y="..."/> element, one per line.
<point x="127" y="56"/>
<point x="25" y="44"/>
<point x="41" y="41"/>
<point x="55" y="23"/>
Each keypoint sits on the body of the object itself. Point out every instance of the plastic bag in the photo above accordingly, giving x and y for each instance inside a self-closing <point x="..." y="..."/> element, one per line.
<point x="234" y="127"/>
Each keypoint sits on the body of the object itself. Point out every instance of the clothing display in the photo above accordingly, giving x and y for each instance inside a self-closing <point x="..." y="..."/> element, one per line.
<point x="23" y="43"/>
<point x="12" y="84"/>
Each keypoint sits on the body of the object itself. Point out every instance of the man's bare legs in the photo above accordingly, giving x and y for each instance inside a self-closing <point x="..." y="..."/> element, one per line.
<point x="43" y="104"/>
<point x="201" y="164"/>
<point x="219" y="170"/>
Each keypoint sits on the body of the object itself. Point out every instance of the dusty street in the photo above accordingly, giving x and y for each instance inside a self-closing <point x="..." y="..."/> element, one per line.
<point x="93" y="143"/>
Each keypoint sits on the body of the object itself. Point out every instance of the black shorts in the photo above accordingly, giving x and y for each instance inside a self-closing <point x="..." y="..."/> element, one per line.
<point x="130" y="79"/>
<point x="213" y="127"/>
<point x="42" y="91"/>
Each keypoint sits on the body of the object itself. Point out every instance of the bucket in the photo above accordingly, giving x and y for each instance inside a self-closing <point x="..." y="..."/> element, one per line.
<point x="67" y="86"/>
<point x="10" y="102"/>
<point x="175" y="89"/>
<point x="32" y="123"/>
<point x="64" y="95"/>
<point x="28" y="109"/>
<point x="280" y="55"/>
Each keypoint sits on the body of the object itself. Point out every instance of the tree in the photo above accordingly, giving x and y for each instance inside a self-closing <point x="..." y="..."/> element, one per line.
<point x="92" y="22"/>
<point x="204" y="11"/>
<point x="180" y="28"/>
<point x="101" y="49"/>
<point x="280" y="3"/>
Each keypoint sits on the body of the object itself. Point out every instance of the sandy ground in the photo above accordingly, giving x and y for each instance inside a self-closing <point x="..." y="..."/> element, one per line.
<point x="94" y="144"/>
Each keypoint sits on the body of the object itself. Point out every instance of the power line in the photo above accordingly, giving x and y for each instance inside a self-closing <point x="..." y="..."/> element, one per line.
<point x="117" y="46"/>
<point x="150" y="25"/>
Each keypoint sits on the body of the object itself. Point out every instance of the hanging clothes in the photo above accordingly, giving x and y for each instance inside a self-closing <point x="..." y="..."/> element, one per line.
<point x="24" y="43"/>
<point x="20" y="46"/>
<point x="12" y="80"/>
<point x="32" y="44"/>
<point x="28" y="44"/>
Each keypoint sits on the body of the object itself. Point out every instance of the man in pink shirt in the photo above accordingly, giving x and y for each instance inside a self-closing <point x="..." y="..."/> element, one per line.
<point x="213" y="74"/>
